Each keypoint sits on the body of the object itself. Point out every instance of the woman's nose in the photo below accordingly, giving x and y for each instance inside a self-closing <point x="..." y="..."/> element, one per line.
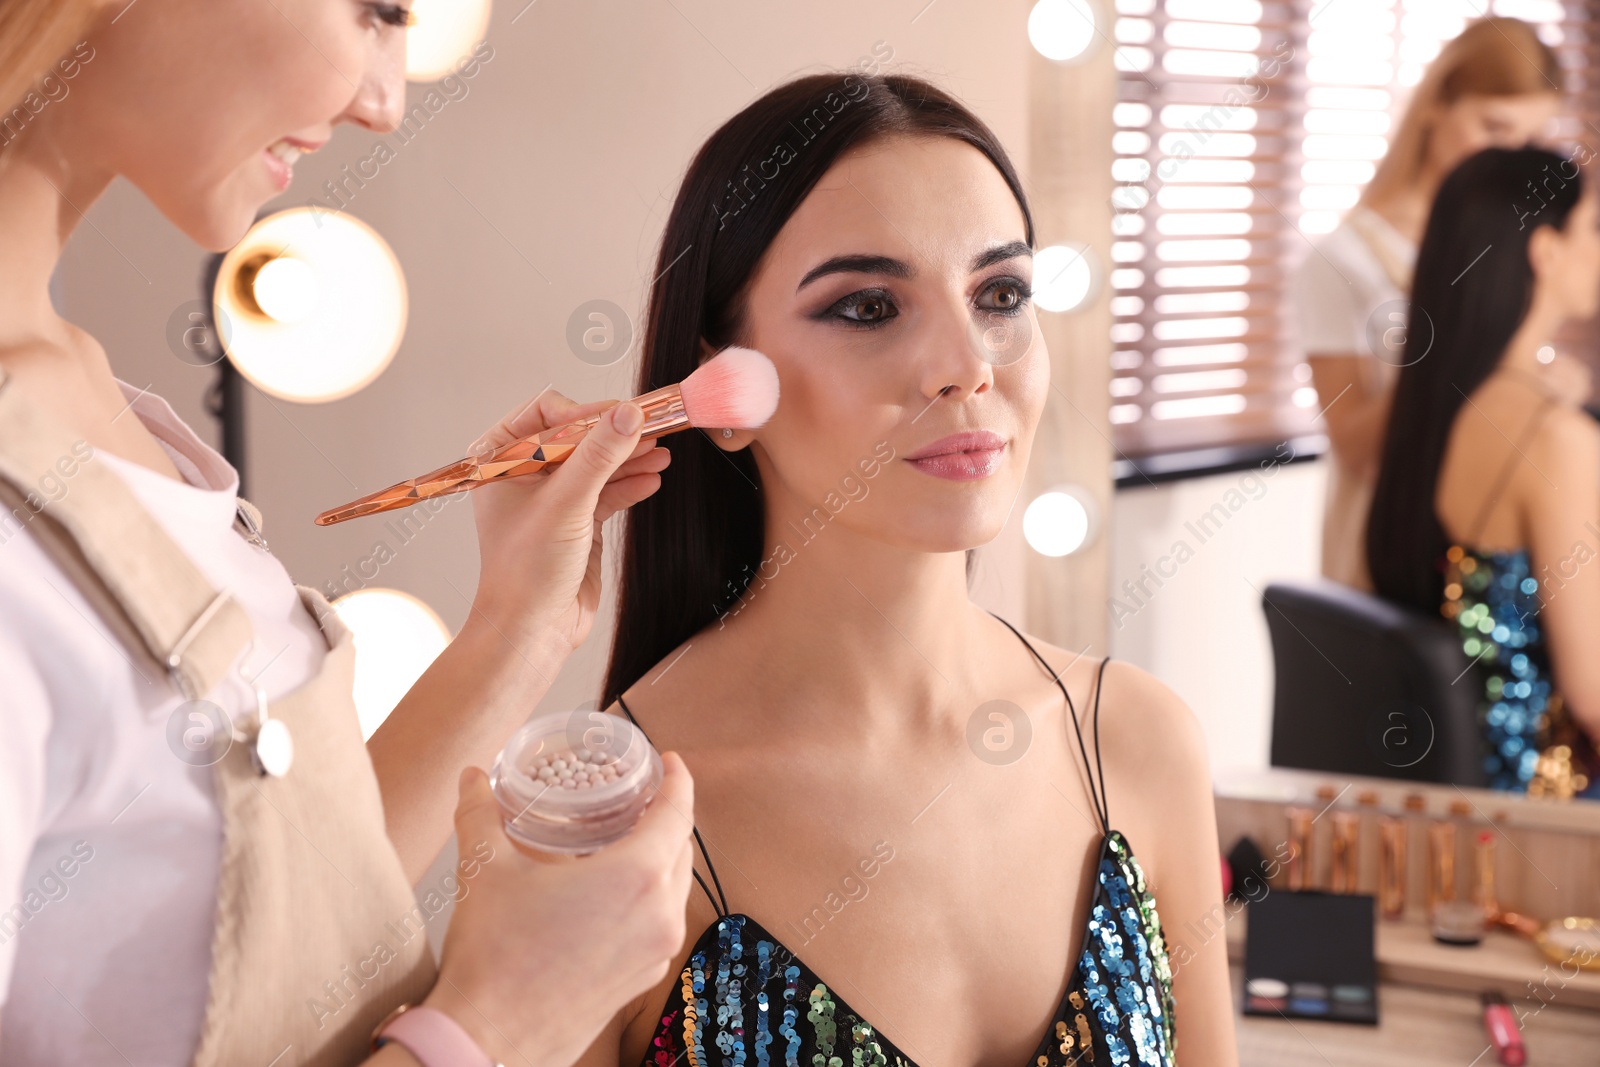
<point x="380" y="98"/>
<point x="953" y="359"/>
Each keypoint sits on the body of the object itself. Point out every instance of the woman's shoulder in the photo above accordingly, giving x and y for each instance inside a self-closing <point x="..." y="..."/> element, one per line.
<point x="1566" y="449"/>
<point x="1140" y="716"/>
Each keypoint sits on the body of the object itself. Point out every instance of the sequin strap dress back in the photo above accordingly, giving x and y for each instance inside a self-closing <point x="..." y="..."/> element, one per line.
<point x="1530" y="741"/>
<point x="743" y="997"/>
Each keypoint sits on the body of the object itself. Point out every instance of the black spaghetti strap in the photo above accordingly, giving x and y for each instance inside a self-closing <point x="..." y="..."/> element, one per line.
<point x="1099" y="767"/>
<point x="1096" y="774"/>
<point x="719" y="906"/>
<point x="1508" y="469"/>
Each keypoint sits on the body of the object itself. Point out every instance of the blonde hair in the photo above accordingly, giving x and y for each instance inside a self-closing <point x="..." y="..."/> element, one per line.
<point x="1491" y="57"/>
<point x="33" y="35"/>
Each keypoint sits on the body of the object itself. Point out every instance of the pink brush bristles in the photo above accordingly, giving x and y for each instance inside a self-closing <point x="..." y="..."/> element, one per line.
<point x="737" y="388"/>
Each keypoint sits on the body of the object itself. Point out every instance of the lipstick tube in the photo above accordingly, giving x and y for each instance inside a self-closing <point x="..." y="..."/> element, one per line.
<point x="1483" y="892"/>
<point x="1346" y="841"/>
<point x="1441" y="862"/>
<point x="1501" y="1026"/>
<point x="1391" y="866"/>
<point x="1300" y="824"/>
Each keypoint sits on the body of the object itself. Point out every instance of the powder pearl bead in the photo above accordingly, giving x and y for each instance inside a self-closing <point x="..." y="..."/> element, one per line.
<point x="582" y="754"/>
<point x="565" y="774"/>
<point x="568" y="783"/>
<point x="560" y="764"/>
<point x="546" y="773"/>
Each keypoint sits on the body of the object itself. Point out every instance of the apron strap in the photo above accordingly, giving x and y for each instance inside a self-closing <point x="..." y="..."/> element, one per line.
<point x="145" y="588"/>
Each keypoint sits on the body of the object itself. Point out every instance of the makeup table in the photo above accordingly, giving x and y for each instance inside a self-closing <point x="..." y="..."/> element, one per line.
<point x="1428" y="993"/>
<point x="1418" y="1028"/>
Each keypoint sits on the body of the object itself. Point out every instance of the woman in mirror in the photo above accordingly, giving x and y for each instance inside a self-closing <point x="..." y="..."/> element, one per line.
<point x="1496" y="84"/>
<point x="1488" y="498"/>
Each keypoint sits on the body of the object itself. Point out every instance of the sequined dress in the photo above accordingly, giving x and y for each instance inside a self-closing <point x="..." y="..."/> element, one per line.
<point x="1494" y="601"/>
<point x="1529" y="741"/>
<point x="743" y="998"/>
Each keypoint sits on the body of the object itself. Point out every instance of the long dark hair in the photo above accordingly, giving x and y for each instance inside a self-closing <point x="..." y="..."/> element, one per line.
<point x="1469" y="293"/>
<point x="693" y="547"/>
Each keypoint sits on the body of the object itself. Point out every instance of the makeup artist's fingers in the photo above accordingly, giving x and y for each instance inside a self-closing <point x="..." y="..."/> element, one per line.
<point x="622" y="495"/>
<point x="577" y="483"/>
<point x="549" y="408"/>
<point x="478" y="816"/>
<point x="664" y="828"/>
<point x="649" y="461"/>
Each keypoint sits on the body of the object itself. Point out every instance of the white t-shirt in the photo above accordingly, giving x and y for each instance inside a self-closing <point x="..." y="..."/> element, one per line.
<point x="1345" y="299"/>
<point x="110" y="845"/>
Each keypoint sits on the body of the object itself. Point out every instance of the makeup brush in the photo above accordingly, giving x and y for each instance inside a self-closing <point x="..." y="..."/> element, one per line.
<point x="737" y="389"/>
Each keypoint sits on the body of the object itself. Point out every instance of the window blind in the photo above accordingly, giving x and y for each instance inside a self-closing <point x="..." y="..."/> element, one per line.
<point x="1244" y="129"/>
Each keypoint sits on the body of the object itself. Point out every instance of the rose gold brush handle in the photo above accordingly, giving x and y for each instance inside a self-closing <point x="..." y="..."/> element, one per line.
<point x="663" y="414"/>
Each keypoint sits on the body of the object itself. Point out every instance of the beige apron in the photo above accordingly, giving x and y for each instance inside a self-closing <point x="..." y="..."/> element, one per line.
<point x="318" y="935"/>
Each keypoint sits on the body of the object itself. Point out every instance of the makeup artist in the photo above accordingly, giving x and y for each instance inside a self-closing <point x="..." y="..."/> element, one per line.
<point x="246" y="908"/>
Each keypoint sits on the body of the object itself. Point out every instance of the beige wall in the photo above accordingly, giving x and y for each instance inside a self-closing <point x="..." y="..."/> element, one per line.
<point x="566" y="152"/>
<point x="1198" y="625"/>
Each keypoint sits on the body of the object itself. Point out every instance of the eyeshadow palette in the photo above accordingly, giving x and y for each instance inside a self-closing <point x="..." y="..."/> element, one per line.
<point x="1311" y="956"/>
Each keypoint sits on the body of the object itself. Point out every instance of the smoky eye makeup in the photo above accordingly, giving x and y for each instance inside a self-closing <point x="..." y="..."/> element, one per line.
<point x="863" y="309"/>
<point x="1005" y="295"/>
<point x="391" y="14"/>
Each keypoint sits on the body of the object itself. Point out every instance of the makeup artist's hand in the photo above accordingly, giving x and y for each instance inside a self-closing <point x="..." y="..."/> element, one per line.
<point x="540" y="955"/>
<point x="539" y="536"/>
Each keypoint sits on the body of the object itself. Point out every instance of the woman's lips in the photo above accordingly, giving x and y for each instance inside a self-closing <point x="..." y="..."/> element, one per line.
<point x="281" y="173"/>
<point x="962" y="457"/>
<point x="280" y="157"/>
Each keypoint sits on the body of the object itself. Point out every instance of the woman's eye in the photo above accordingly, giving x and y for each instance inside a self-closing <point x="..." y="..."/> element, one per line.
<point x="393" y="14"/>
<point x="1006" y="296"/>
<point x="866" y="308"/>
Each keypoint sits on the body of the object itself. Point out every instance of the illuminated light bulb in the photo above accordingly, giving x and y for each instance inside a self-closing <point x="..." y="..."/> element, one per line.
<point x="315" y="302"/>
<point x="1061" y="30"/>
<point x="1059" y="522"/>
<point x="397" y="637"/>
<point x="1063" y="276"/>
<point x="285" y="289"/>
<point x="442" y="33"/>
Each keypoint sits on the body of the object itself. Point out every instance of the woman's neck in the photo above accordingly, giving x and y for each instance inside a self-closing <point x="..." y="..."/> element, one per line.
<point x="1522" y="352"/>
<point x="42" y="198"/>
<point x="832" y="612"/>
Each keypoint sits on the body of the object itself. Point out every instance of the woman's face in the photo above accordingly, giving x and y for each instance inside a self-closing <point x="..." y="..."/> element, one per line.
<point x="1570" y="270"/>
<point x="204" y="104"/>
<point x="896" y="305"/>
<point x="1476" y="122"/>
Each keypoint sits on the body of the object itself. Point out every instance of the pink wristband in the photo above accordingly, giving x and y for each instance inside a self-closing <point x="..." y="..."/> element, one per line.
<point x="435" y="1039"/>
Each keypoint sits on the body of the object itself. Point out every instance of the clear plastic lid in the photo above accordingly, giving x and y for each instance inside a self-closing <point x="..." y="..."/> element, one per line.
<point x="573" y="782"/>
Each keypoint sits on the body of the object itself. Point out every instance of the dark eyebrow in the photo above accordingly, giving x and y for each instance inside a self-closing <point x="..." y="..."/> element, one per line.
<point x="856" y="264"/>
<point x="1001" y="253"/>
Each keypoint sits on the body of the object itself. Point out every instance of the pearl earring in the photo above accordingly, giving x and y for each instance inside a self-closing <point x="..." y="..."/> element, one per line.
<point x="727" y="432"/>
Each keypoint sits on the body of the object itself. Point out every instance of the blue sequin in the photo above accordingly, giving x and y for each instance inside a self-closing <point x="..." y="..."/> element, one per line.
<point x="1495" y="594"/>
<point x="1122" y="984"/>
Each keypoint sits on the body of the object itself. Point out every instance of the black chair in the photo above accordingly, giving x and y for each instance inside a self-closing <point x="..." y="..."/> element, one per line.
<point x="1367" y="687"/>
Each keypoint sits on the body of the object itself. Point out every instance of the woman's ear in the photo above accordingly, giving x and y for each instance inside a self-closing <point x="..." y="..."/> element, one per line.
<point x="728" y="440"/>
<point x="1543" y="250"/>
